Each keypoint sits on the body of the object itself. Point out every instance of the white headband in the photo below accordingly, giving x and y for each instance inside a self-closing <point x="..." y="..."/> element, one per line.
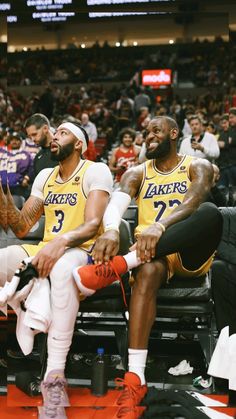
<point x="78" y="133"/>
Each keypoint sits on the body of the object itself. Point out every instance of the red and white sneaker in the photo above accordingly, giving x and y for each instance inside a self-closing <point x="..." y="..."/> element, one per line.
<point x="132" y="392"/>
<point x="91" y="278"/>
<point x="129" y="413"/>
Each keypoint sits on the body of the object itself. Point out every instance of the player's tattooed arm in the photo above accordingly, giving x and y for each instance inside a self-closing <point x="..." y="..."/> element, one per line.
<point x="21" y="221"/>
<point x="131" y="181"/>
<point x="3" y="208"/>
<point x="201" y="175"/>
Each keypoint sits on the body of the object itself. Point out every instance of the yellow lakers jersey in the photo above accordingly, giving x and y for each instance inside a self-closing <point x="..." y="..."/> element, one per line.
<point x="160" y="192"/>
<point x="64" y="205"/>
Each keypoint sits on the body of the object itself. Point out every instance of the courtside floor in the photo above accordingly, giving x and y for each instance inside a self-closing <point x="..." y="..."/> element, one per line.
<point x="164" y="352"/>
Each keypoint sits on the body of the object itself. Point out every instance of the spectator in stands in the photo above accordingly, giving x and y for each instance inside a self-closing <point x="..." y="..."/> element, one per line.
<point x="141" y="100"/>
<point x="139" y="138"/>
<point x="224" y="158"/>
<point x="124" y="156"/>
<point x="38" y="129"/>
<point x="210" y="127"/>
<point x="3" y="138"/>
<point x="143" y="118"/>
<point x="19" y="165"/>
<point x="223" y="282"/>
<point x="46" y="102"/>
<point x="80" y="189"/>
<point x="199" y="144"/>
<point x="217" y="195"/>
<point x="125" y="111"/>
<point x="186" y="130"/>
<point x="170" y="240"/>
<point x="232" y="144"/>
<point x="89" y="126"/>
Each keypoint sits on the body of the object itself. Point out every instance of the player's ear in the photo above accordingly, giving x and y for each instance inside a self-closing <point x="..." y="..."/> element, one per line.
<point x="174" y="133"/>
<point x="45" y="128"/>
<point x="79" y="145"/>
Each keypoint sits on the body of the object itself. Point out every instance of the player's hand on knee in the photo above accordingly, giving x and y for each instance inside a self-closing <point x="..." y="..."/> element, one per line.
<point x="147" y="241"/>
<point x="48" y="256"/>
<point x="106" y="246"/>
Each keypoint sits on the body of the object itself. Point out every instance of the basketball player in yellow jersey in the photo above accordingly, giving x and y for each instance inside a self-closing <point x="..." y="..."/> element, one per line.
<point x="73" y="196"/>
<point x="177" y="233"/>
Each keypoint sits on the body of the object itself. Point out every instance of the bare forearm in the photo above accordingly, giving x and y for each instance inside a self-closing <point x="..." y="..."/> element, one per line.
<point x="3" y="209"/>
<point x="15" y="219"/>
<point x="21" y="221"/>
<point x="181" y="212"/>
<point x="83" y="233"/>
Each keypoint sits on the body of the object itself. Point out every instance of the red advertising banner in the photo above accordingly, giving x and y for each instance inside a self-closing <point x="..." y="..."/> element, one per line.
<point x="156" y="78"/>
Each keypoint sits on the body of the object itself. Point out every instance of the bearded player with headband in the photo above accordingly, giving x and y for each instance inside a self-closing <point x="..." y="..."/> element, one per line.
<point x="66" y="195"/>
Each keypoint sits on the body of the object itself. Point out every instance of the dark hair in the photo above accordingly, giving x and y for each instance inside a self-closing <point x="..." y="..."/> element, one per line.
<point x="224" y="117"/>
<point x="15" y="135"/>
<point x="191" y="118"/>
<point x="212" y="125"/>
<point x="37" y="119"/>
<point x="171" y="122"/>
<point x="128" y="131"/>
<point x="233" y="111"/>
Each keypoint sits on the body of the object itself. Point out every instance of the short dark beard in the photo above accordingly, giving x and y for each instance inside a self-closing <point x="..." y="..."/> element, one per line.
<point x="43" y="141"/>
<point x="162" y="150"/>
<point x="62" y="153"/>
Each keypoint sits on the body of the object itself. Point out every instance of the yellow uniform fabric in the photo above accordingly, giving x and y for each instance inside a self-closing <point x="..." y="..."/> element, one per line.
<point x="64" y="206"/>
<point x="159" y="194"/>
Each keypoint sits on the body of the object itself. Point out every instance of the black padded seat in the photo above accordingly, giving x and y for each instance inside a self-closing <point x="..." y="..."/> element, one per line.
<point x="18" y="201"/>
<point x="3" y="238"/>
<point x="189" y="293"/>
<point x="181" y="289"/>
<point x="108" y="299"/>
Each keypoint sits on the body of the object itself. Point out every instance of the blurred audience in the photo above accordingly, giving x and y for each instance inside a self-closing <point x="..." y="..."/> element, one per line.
<point x="200" y="144"/>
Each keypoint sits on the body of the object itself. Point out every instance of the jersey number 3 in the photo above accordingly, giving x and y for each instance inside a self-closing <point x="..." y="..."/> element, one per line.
<point x="60" y="218"/>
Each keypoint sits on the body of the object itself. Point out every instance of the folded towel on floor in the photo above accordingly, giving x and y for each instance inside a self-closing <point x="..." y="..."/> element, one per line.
<point x="182" y="368"/>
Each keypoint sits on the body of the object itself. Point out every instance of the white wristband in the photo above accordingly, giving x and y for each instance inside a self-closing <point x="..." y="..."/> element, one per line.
<point x="162" y="226"/>
<point x="116" y="208"/>
<point x="111" y="227"/>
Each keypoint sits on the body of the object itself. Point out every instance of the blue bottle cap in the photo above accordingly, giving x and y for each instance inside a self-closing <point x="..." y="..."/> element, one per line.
<point x="100" y="351"/>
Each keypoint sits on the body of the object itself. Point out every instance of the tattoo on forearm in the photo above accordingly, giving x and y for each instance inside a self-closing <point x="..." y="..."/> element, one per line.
<point x="21" y="221"/>
<point x="3" y="209"/>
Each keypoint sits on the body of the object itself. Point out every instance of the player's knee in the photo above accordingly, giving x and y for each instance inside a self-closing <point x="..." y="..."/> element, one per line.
<point x="149" y="277"/>
<point x="211" y="212"/>
<point x="63" y="288"/>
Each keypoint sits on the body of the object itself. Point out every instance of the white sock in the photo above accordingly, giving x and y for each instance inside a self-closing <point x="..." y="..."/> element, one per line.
<point x="132" y="260"/>
<point x="137" y="362"/>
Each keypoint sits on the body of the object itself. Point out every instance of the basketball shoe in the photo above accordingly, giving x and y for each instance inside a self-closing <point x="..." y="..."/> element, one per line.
<point x="132" y="393"/>
<point x="91" y="278"/>
<point x="54" y="394"/>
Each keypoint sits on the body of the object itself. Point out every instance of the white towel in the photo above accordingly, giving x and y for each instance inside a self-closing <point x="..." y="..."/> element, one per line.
<point x="36" y="297"/>
<point x="232" y="362"/>
<point x="38" y="306"/>
<point x="24" y="334"/>
<point x="219" y="364"/>
<point x="3" y="309"/>
<point x="9" y="288"/>
<point x="183" y="368"/>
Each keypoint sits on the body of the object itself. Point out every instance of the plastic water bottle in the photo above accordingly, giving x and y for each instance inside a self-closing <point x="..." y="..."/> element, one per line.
<point x="99" y="374"/>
